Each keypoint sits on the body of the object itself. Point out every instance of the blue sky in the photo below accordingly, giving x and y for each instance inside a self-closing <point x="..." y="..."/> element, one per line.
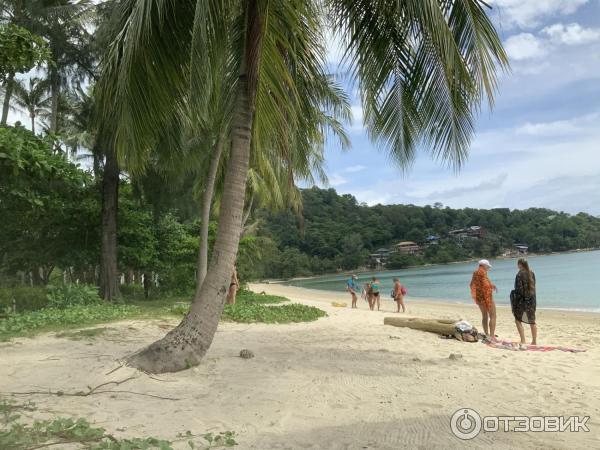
<point x="539" y="147"/>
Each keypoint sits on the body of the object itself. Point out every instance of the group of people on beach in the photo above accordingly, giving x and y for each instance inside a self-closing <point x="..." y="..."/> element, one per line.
<point x="371" y="294"/>
<point x="522" y="297"/>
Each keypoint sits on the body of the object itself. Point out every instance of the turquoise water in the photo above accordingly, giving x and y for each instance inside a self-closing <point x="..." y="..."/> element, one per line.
<point x="564" y="281"/>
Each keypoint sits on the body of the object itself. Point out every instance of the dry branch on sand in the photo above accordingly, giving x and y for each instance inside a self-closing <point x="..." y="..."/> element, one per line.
<point x="93" y="391"/>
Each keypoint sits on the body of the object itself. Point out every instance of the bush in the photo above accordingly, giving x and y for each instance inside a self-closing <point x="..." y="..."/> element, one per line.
<point x="245" y="296"/>
<point x="251" y="307"/>
<point x="76" y="315"/>
<point x="68" y="295"/>
<point x="249" y="313"/>
<point x="132" y="292"/>
<point x="25" y="298"/>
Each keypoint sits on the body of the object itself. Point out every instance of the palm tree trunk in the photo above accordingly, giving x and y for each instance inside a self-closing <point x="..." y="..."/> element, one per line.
<point x="33" y="123"/>
<point x="207" y="198"/>
<point x="55" y="96"/>
<point x="185" y="345"/>
<point x="8" y="90"/>
<point x="109" y="283"/>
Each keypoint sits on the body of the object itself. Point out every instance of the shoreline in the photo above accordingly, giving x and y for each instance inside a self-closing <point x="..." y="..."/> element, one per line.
<point x="427" y="265"/>
<point x="325" y="296"/>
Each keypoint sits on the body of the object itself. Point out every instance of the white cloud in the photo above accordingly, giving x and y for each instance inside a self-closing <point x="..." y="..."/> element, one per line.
<point x="571" y="34"/>
<point x="335" y="49"/>
<point x="525" y="46"/>
<point x="336" y="179"/>
<point x="530" y="13"/>
<point x="354" y="169"/>
<point x="357" y="118"/>
<point x="576" y="125"/>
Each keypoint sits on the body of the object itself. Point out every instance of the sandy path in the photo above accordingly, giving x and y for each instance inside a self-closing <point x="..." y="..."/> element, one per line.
<point x="343" y="382"/>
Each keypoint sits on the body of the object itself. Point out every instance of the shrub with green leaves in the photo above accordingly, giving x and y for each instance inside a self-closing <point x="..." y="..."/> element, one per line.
<point x="79" y="433"/>
<point x="68" y="295"/>
<point x="23" y="298"/>
<point x="77" y="315"/>
<point x="251" y="307"/>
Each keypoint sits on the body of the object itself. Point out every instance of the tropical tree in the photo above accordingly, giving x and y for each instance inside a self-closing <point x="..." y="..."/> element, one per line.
<point x="422" y="67"/>
<point x="32" y="97"/>
<point x="62" y="24"/>
<point x="20" y="51"/>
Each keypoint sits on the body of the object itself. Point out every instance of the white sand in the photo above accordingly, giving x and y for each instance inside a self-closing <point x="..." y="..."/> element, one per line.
<point x="342" y="382"/>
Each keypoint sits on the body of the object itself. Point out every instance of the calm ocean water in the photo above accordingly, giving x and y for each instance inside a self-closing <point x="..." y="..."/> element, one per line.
<point x="564" y="281"/>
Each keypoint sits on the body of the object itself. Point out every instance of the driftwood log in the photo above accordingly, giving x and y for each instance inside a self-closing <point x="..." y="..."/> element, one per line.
<point x="438" y="326"/>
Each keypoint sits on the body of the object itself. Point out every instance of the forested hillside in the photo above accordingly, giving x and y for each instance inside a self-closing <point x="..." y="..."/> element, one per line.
<point x="335" y="231"/>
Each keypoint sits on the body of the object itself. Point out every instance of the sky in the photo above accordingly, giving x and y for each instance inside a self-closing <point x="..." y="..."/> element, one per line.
<point x="538" y="147"/>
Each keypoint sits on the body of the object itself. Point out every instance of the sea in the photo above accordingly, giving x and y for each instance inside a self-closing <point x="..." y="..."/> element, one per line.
<point x="569" y="281"/>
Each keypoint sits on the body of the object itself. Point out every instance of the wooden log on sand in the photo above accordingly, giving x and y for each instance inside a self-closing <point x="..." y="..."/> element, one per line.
<point x="438" y="326"/>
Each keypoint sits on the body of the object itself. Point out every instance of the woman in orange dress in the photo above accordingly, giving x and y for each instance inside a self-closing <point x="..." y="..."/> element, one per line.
<point x="481" y="291"/>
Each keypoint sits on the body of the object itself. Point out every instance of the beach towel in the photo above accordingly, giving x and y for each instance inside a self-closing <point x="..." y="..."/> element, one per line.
<point x="514" y="346"/>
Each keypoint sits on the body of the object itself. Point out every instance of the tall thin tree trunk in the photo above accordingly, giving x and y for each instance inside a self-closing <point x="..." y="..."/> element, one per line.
<point x="185" y="345"/>
<point x="33" y="123"/>
<point x="8" y="90"/>
<point x="55" y="98"/>
<point x="207" y="198"/>
<point x="109" y="280"/>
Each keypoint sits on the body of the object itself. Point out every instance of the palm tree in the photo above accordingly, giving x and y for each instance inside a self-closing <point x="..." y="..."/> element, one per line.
<point x="423" y="68"/>
<point x="32" y="99"/>
<point x="63" y="25"/>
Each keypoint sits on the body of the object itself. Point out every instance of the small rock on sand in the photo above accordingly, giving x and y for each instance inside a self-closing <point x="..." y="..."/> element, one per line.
<point x="246" y="354"/>
<point x="455" y="356"/>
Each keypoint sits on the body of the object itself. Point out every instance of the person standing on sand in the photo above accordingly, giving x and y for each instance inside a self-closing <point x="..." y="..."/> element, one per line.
<point x="352" y="287"/>
<point x="233" y="287"/>
<point x="523" y="301"/>
<point x="367" y="294"/>
<point x="481" y="291"/>
<point x="399" y="295"/>
<point x="375" y="289"/>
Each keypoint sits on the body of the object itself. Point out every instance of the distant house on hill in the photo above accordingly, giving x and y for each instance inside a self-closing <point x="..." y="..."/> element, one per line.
<point x="432" y="239"/>
<point x="521" y="249"/>
<point x="474" y="232"/>
<point x="379" y="258"/>
<point x="407" y="248"/>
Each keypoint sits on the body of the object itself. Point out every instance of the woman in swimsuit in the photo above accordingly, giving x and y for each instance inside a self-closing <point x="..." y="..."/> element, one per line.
<point x="375" y="289"/>
<point x="233" y="287"/>
<point x="398" y="295"/>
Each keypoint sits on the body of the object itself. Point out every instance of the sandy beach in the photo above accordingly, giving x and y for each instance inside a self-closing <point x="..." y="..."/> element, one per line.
<point x="343" y="382"/>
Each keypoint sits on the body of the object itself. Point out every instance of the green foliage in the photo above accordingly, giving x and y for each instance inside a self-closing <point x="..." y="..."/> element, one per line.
<point x="251" y="307"/>
<point x="250" y="313"/>
<point x="79" y="433"/>
<point x="220" y="440"/>
<point x="178" y="253"/>
<point x="25" y="298"/>
<point x="20" y="51"/>
<point x="49" y="209"/>
<point x="68" y="295"/>
<point x="51" y="318"/>
<point x="338" y="232"/>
